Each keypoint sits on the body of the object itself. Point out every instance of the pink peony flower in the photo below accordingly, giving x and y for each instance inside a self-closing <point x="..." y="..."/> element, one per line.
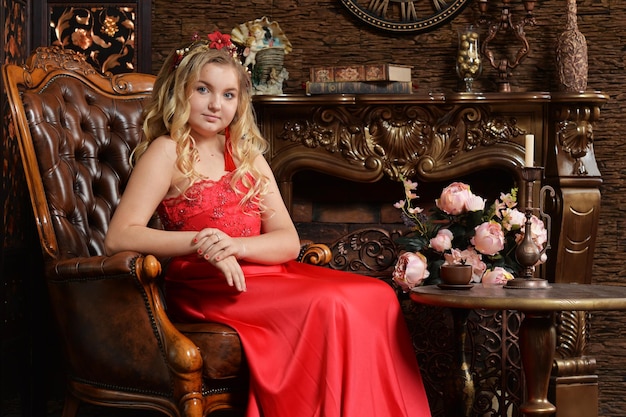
<point x="538" y="232"/>
<point x="411" y="270"/>
<point x="513" y="219"/>
<point x="443" y="241"/>
<point x="496" y="276"/>
<point x="475" y="203"/>
<point x="454" y="257"/>
<point x="488" y="238"/>
<point x="542" y="259"/>
<point x="454" y="198"/>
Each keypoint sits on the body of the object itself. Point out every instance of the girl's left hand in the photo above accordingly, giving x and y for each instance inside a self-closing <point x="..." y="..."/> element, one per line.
<point x="215" y="245"/>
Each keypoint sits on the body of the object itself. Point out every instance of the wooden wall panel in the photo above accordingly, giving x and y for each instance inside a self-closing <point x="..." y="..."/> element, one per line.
<point x="114" y="34"/>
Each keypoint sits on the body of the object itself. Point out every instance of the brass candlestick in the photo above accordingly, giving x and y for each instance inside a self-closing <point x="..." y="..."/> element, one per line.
<point x="527" y="253"/>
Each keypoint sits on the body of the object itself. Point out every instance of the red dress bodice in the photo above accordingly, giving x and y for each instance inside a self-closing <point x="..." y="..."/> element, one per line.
<point x="209" y="203"/>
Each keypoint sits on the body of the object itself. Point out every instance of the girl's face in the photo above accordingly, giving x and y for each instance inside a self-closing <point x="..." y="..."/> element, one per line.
<point x="214" y="99"/>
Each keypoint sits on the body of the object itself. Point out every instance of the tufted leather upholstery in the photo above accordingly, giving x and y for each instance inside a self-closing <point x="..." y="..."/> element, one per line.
<point x="83" y="140"/>
<point x="76" y="130"/>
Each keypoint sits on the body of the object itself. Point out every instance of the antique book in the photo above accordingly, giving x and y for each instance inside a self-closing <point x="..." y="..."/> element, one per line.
<point x="359" y="87"/>
<point x="369" y="72"/>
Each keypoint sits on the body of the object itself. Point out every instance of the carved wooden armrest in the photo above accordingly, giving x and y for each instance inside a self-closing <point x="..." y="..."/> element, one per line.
<point x="98" y="266"/>
<point x="314" y="253"/>
<point x="182" y="355"/>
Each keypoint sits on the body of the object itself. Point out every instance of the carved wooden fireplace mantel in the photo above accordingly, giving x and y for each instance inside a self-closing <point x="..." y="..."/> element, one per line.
<point x="438" y="137"/>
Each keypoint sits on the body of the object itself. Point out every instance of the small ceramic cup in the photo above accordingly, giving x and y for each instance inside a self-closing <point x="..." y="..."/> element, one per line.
<point x="456" y="274"/>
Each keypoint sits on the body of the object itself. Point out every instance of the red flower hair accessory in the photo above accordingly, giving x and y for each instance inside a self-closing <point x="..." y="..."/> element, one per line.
<point x="215" y="40"/>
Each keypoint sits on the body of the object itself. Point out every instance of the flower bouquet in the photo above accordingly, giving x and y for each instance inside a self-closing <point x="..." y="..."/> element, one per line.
<point x="462" y="229"/>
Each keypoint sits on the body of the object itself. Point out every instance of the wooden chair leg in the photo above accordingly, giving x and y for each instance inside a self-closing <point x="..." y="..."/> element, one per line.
<point x="70" y="407"/>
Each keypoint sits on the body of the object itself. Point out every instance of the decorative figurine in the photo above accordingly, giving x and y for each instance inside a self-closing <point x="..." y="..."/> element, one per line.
<point x="264" y="47"/>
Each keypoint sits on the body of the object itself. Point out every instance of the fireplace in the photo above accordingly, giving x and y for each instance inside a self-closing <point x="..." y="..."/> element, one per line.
<point x="326" y="208"/>
<point x="435" y="139"/>
<point x="338" y="160"/>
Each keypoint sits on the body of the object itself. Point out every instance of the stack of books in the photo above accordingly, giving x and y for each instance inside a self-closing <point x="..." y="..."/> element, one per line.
<point x="361" y="79"/>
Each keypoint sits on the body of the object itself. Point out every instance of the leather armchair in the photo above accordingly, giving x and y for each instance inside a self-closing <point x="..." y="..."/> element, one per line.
<point x="76" y="129"/>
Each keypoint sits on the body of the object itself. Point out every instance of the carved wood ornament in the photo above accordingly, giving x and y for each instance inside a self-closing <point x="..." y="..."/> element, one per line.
<point x="410" y="140"/>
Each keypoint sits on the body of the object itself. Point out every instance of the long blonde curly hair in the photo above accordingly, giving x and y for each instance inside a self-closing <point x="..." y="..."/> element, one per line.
<point x="168" y="111"/>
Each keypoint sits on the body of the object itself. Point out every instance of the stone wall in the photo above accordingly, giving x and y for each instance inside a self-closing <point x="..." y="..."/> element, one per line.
<point x="323" y="32"/>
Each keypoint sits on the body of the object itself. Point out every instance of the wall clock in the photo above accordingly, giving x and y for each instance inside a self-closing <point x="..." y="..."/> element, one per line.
<point x="405" y="15"/>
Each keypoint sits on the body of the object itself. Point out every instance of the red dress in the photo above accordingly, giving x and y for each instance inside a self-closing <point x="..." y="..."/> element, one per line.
<point x="319" y="342"/>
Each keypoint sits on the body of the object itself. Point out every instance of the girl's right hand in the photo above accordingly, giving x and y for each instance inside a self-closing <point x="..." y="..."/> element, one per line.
<point x="231" y="269"/>
<point x="216" y="247"/>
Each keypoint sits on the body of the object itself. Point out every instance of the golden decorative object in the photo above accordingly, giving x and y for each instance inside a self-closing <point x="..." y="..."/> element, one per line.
<point x="469" y="63"/>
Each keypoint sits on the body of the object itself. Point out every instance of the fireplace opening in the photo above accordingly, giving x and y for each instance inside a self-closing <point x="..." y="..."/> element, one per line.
<point x="326" y="208"/>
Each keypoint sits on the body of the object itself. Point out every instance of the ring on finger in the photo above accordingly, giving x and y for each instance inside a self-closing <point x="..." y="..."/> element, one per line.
<point x="218" y="238"/>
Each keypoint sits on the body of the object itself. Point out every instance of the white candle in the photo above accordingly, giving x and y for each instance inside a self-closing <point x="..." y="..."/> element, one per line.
<point x="529" y="156"/>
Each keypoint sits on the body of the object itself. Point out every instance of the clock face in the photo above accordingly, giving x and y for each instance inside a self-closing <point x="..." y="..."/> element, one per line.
<point x="405" y="15"/>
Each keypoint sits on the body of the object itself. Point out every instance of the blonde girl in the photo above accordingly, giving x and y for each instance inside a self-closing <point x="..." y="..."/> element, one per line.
<point x="318" y="342"/>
